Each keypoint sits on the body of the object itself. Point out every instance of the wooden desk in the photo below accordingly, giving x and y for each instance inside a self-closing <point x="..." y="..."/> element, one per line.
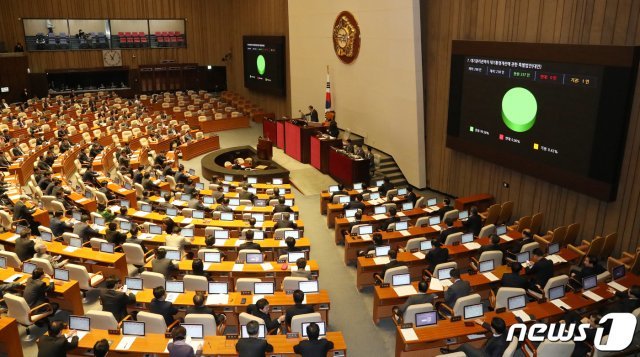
<point x="199" y="147"/>
<point x="24" y="169"/>
<point x="347" y="170"/>
<point x="10" y="337"/>
<point x="336" y="209"/>
<point x="319" y="152"/>
<point x="230" y="123"/>
<point x="481" y="200"/>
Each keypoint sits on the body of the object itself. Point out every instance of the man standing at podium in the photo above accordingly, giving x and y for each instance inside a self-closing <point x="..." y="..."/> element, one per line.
<point x="312" y="115"/>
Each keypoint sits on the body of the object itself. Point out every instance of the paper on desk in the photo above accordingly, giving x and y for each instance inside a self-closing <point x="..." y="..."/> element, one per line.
<point x="446" y="282"/>
<point x="559" y="303"/>
<point x="591" y="295"/>
<point x="437" y="228"/>
<point x="259" y="224"/>
<point x="12" y="278"/>
<point x="266" y="266"/>
<point x="435" y="285"/>
<point x="126" y="342"/>
<point x="178" y="202"/>
<point x="282" y="243"/>
<point x="472" y="245"/>
<point x="405" y="290"/>
<point x="617" y="286"/>
<point x="70" y="249"/>
<point x="206" y="266"/>
<point x="556" y="259"/>
<point x="237" y="267"/>
<point x="522" y="315"/>
<point x="351" y="219"/>
<point x="217" y="299"/>
<point x="83" y="200"/>
<point x="220" y="242"/>
<point x="490" y="276"/>
<point x="475" y="336"/>
<point x="405" y="233"/>
<point x="419" y="255"/>
<point x="409" y="334"/>
<point x="400" y="214"/>
<point x="365" y="237"/>
<point x="186" y="220"/>
<point x="122" y="189"/>
<point x="257" y="297"/>
<point x="379" y="216"/>
<point x="381" y="260"/>
<point x="240" y="241"/>
<point x="12" y="238"/>
<point x="146" y="236"/>
<point x="172" y="297"/>
<point x="247" y="208"/>
<point x="114" y="209"/>
<point x="80" y="335"/>
<point x="506" y="237"/>
<point x="141" y="214"/>
<point x="433" y="208"/>
<point x="160" y="200"/>
<point x="295" y="268"/>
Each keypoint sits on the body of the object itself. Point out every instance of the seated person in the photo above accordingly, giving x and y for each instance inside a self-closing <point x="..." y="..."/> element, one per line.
<point x="200" y="308"/>
<point x="385" y="187"/>
<point x="437" y="255"/>
<point x="495" y="346"/>
<point x="447" y="231"/>
<point x="285" y="222"/>
<point x="178" y="347"/>
<point x="55" y="343"/>
<point x="541" y="269"/>
<point x="249" y="244"/>
<point x="527" y="237"/>
<point x="459" y="288"/>
<point x="393" y="262"/>
<point x="159" y="306"/>
<point x="163" y="265"/>
<point x="473" y="224"/>
<point x="514" y="279"/>
<point x="444" y="209"/>
<point x="494" y="245"/>
<point x="301" y="264"/>
<point x="298" y="309"/>
<point x="393" y="218"/>
<point x="281" y="207"/>
<point x="178" y="241"/>
<point x="261" y="310"/>
<point x="223" y="205"/>
<point x="357" y="204"/>
<point x="420" y="298"/>
<point x="291" y="246"/>
<point x="314" y="346"/>
<point x="253" y="346"/>
<point x="377" y="242"/>
<point x="41" y="253"/>
<point x="113" y="235"/>
<point x="590" y="266"/>
<point x="341" y="191"/>
<point x="115" y="300"/>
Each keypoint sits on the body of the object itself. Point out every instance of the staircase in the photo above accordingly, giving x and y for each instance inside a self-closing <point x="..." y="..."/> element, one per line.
<point x="390" y="169"/>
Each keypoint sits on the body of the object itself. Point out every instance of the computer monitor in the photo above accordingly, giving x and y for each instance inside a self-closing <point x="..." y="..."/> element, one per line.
<point x="212" y="257"/>
<point x="295" y="234"/>
<point x="322" y="327"/>
<point x="467" y="238"/>
<point x="400" y="279"/>
<point x="75" y="242"/>
<point x="79" y="323"/>
<point x="77" y="215"/>
<point x="357" y="185"/>
<point x="425" y="245"/>
<point x="277" y="181"/>
<point x="3" y="262"/>
<point x="254" y="258"/>
<point x="344" y="199"/>
<point x="407" y="206"/>
<point x="259" y="217"/>
<point x="234" y="202"/>
<point x="463" y="215"/>
<point x="161" y="178"/>
<point x="589" y="282"/>
<point x="309" y="286"/>
<point x="379" y="183"/>
<point x="133" y="328"/>
<point x="99" y="221"/>
<point x="262" y="331"/>
<point x="380" y="210"/>
<point x="174" y="286"/>
<point x="226" y="216"/>
<point x="125" y="225"/>
<point x="382" y="251"/>
<point x="61" y="274"/>
<point x="289" y="202"/>
<point x="133" y="283"/>
<point x="28" y="268"/>
<point x="197" y="214"/>
<point x="401" y="226"/>
<point x="199" y="186"/>
<point x="218" y="288"/>
<point x="173" y="254"/>
<point x="293" y="257"/>
<point x="486" y="265"/>
<point x="107" y="247"/>
<point x="553" y="248"/>
<point x="221" y="234"/>
<point x="402" y="191"/>
<point x="225" y="188"/>
<point x="432" y="202"/>
<point x="374" y="195"/>
<point x="260" y="202"/>
<point x="500" y="230"/>
<point x="556" y="292"/>
<point x="88" y="194"/>
<point x="428" y="318"/>
<point x="473" y="311"/>
<point x="264" y="288"/>
<point x="366" y="229"/>
<point x="155" y="229"/>
<point x="517" y="302"/>
<point x="618" y="272"/>
<point x="334" y="188"/>
<point x="145" y="207"/>
<point x="194" y="331"/>
<point x="253" y="190"/>
<point x="523" y="257"/>
<point x="127" y="186"/>
<point x="208" y="200"/>
<point x="444" y="273"/>
<point x="228" y="178"/>
<point x="185" y="197"/>
<point x="46" y="236"/>
<point x="434" y="220"/>
<point x="252" y="180"/>
<point x="350" y="212"/>
<point x="172" y="212"/>
<point x="186" y="232"/>
<point x="125" y="203"/>
<point x="192" y="172"/>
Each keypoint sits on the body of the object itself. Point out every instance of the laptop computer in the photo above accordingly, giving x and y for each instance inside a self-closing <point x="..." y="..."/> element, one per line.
<point x="185" y="197"/>
<point x="197" y="214"/>
<point x="500" y="230"/>
<point x="46" y="236"/>
<point x="145" y="208"/>
<point x="374" y="195"/>
<point x="379" y="183"/>
<point x="254" y="258"/>
<point x="77" y="216"/>
<point x="79" y="323"/>
<point x="173" y="254"/>
<point x="208" y="200"/>
<point x="252" y="180"/>
<point x="234" y="202"/>
<point x="357" y="185"/>
<point x="309" y="287"/>
<point x="218" y="288"/>
<point x="259" y="217"/>
<point x="517" y="302"/>
<point x="212" y="257"/>
<point x="61" y="274"/>
<point x="366" y="229"/>
<point x="428" y="318"/>
<point x="277" y="181"/>
<point x="264" y="288"/>
<point x="523" y="257"/>
<point x="322" y="327"/>
<point x="186" y="232"/>
<point x="262" y="331"/>
<point x="400" y="279"/>
<point x="589" y="282"/>
<point x="107" y="248"/>
<point x="225" y="188"/>
<point x="293" y="257"/>
<point x="401" y="226"/>
<point x="289" y="202"/>
<point x="133" y="328"/>
<point x="259" y="202"/>
<point x="434" y="220"/>
<point x="199" y="186"/>
<point x="171" y="212"/>
<point x="174" y="286"/>
<point x="75" y="242"/>
<point x="444" y="273"/>
<point x="253" y="190"/>
<point x="348" y="213"/>
<point x="333" y="188"/>
<point x="128" y="186"/>
<point x="192" y="172"/>
<point x="553" y="248"/>
<point x="382" y="251"/>
<point x="344" y="199"/>
<point x="98" y="221"/>
<point x="28" y="268"/>
<point x="125" y="203"/>
<point x="407" y="206"/>
<point x="473" y="311"/>
<point x="125" y="226"/>
<point x="467" y="238"/>
<point x="463" y="215"/>
<point x="486" y="266"/>
<point x="226" y="216"/>
<point x="155" y="229"/>
<point x="228" y="178"/>
<point x="295" y="234"/>
<point x="380" y="210"/>
<point x="195" y="332"/>
<point x="432" y="202"/>
<point x="221" y="234"/>
<point x="425" y="245"/>
<point x="3" y="262"/>
<point x="133" y="283"/>
<point x="618" y="272"/>
<point x="556" y="292"/>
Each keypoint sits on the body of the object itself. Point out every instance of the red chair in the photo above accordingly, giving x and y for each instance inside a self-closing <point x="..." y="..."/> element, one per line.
<point x="143" y="41"/>
<point x="136" y="41"/>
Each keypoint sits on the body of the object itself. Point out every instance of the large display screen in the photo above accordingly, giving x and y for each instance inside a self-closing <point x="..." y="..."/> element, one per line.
<point x="558" y="112"/>
<point x="264" y="64"/>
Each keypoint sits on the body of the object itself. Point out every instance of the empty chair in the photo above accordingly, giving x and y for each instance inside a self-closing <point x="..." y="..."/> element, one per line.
<point x="521" y="224"/>
<point x="453" y="214"/>
<point x="389" y="273"/>
<point x="414" y="243"/>
<point x="12" y="259"/>
<point x="555" y="236"/>
<point x="492" y="214"/>
<point x="495" y="255"/>
<point x="454" y="238"/>
<point x="154" y="323"/>
<point x="502" y="297"/>
<point x="246" y="284"/>
<point x="279" y="233"/>
<point x="244" y="318"/>
<point x="560" y="280"/>
<point x="290" y="283"/>
<point x="572" y="234"/>
<point x="135" y="255"/>
<point x="45" y="264"/>
<point x="506" y="210"/>
<point x="102" y="320"/>
<point x="298" y="320"/>
<point x="242" y="254"/>
<point x="409" y="315"/>
<point x="86" y="280"/>
<point x="536" y="222"/>
<point x="96" y="242"/>
<point x="195" y="283"/>
<point x="589" y="248"/>
<point x="487" y="230"/>
<point x="207" y="321"/>
<point x="66" y="237"/>
<point x="609" y="243"/>
<point x="151" y="280"/>
<point x="422" y="221"/>
<point x="548" y="348"/>
<point x="458" y="308"/>
<point x="25" y="316"/>
<point x="447" y="265"/>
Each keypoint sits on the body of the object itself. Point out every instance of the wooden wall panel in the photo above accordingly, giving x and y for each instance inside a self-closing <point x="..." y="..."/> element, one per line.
<point x="604" y="22"/>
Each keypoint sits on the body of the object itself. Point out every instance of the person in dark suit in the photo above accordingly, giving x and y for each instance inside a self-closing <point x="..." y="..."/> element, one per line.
<point x="473" y="224"/>
<point x="261" y="310"/>
<point x="447" y="231"/>
<point x="249" y="244"/>
<point x="444" y="209"/>
<point x="83" y="229"/>
<point x="527" y="237"/>
<point x="291" y="246"/>
<point x="91" y="177"/>
<point x="55" y="344"/>
<point x="163" y="265"/>
<point x="494" y="245"/>
<point x="114" y="300"/>
<point x="200" y="308"/>
<point x="25" y="246"/>
<point x="58" y="227"/>
<point x="590" y="266"/>
<point x="281" y="207"/>
<point x="16" y="151"/>
<point x="385" y="187"/>
<point x="377" y="242"/>
<point x="357" y="204"/>
<point x="436" y="255"/>
<point x="245" y="194"/>
<point x="542" y="270"/>
<point x="298" y="309"/>
<point x="341" y="191"/>
<point x="223" y="205"/>
<point x="312" y="115"/>
<point x="313" y="347"/>
<point x="35" y="290"/>
<point x="495" y="346"/>
<point x="333" y="129"/>
<point x="159" y="306"/>
<point x="393" y="218"/>
<point x="252" y="346"/>
<point x="514" y="279"/>
<point x="411" y="196"/>
<point x="101" y="348"/>
<point x="112" y="235"/>
<point x="458" y="289"/>
<point x="178" y="347"/>
<point x="393" y="262"/>
<point x="628" y="300"/>
<point x="420" y="298"/>
<point x="21" y="212"/>
<point x="195" y="203"/>
<point x="285" y="222"/>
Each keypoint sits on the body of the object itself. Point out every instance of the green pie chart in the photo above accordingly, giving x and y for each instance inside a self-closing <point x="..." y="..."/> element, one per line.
<point x="519" y="109"/>
<point x="261" y="64"/>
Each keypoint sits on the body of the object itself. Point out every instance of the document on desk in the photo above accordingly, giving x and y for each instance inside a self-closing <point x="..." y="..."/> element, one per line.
<point x="405" y="233"/>
<point x="186" y="220"/>
<point x="351" y="219"/>
<point x="172" y="297"/>
<point x="522" y="315"/>
<point x="432" y="208"/>
<point x="217" y="299"/>
<point x="490" y="276"/>
<point x="178" y="202"/>
<point x="366" y="237"/>
<point x="266" y="266"/>
<point x="259" y="224"/>
<point x="295" y="268"/>
<point x="257" y="297"/>
<point x="240" y="241"/>
<point x="472" y="246"/>
<point x="475" y="336"/>
<point x="238" y="267"/>
<point x="83" y="200"/>
<point x="379" y="217"/>
<point x="122" y="190"/>
<point x="419" y="255"/>
<point x="446" y="282"/>
<point x="125" y="343"/>
<point x="12" y="238"/>
<point x="435" y="285"/>
<point x="141" y="214"/>
<point x="506" y="237"/>
<point x="559" y="303"/>
<point x="282" y="243"/>
<point x="70" y="249"/>
<point x="556" y="259"/>
<point x="400" y="214"/>
<point x="405" y="290"/>
<point x="591" y="295"/>
<point x="12" y="278"/>
<point x="437" y="228"/>
<point x="247" y="208"/>
<point x="617" y="286"/>
<point x="80" y="335"/>
<point x="409" y="334"/>
<point x="220" y="242"/>
<point x="206" y="266"/>
<point x="381" y="260"/>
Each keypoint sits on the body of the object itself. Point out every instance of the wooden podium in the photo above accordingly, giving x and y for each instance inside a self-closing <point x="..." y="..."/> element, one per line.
<point x="265" y="149"/>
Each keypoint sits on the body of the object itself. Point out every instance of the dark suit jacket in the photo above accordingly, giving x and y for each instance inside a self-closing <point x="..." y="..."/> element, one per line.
<point x="20" y="211"/>
<point x="355" y="205"/>
<point x="199" y="310"/>
<point x="58" y="227"/>
<point x="511" y="280"/>
<point x="249" y="245"/>
<point x="253" y="347"/>
<point x="49" y="346"/>
<point x="385" y="188"/>
<point x="115" y="237"/>
<point x="542" y="271"/>
<point x="16" y="151"/>
<point x="391" y="264"/>
<point x="488" y="248"/>
<point x="473" y="224"/>
<point x="445" y="233"/>
<point x="163" y="266"/>
<point x="586" y="271"/>
<point x="517" y="246"/>
<point x="85" y="232"/>
<point x="457" y="290"/>
<point x="285" y="224"/>
<point x="270" y="323"/>
<point x="442" y="210"/>
<point x="496" y="345"/>
<point x="35" y="292"/>
<point x="282" y="208"/>
<point x="24" y="248"/>
<point x="417" y="299"/>
<point x="116" y="302"/>
<point x="164" y="308"/>
<point x="316" y="348"/>
<point x="297" y="309"/>
<point x="437" y="256"/>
